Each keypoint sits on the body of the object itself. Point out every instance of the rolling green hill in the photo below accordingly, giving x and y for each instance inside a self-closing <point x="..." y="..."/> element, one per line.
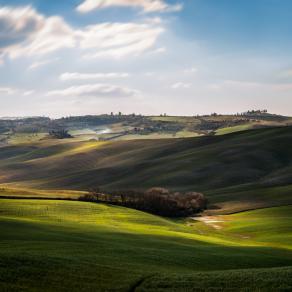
<point x="58" y="245"/>
<point x="238" y="171"/>
<point x="74" y="246"/>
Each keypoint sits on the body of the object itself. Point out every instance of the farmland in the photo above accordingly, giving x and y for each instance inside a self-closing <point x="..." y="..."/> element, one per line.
<point x="51" y="241"/>
<point x="131" y="127"/>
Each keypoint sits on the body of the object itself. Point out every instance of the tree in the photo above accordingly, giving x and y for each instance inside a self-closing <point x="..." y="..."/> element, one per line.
<point x="159" y="201"/>
<point x="60" y="134"/>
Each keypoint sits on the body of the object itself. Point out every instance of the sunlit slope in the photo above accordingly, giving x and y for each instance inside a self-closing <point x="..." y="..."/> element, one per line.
<point x="268" y="227"/>
<point x="248" y="169"/>
<point x="6" y="191"/>
<point x="73" y="246"/>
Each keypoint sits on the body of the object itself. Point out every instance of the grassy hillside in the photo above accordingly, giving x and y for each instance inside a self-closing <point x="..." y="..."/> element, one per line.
<point x="248" y="169"/>
<point x="54" y="245"/>
<point x="228" y="130"/>
<point x="6" y="191"/>
<point x="74" y="246"/>
<point x="269" y="227"/>
<point x="278" y="279"/>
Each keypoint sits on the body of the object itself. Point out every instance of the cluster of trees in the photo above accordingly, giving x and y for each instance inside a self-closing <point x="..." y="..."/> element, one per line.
<point x="24" y="125"/>
<point x="213" y="125"/>
<point x="263" y="115"/>
<point x="92" y="121"/>
<point x="148" y="126"/>
<point x="60" y="134"/>
<point x="159" y="201"/>
<point x="258" y="112"/>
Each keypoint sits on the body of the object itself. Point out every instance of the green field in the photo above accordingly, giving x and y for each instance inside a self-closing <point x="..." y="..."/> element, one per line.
<point x="238" y="171"/>
<point x="228" y="130"/>
<point x="49" y="241"/>
<point x="75" y="246"/>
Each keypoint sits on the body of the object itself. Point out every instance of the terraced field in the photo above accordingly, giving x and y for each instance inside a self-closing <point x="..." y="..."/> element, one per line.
<point x="74" y="246"/>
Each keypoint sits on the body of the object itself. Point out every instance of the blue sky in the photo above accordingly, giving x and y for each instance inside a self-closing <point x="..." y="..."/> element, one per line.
<point x="182" y="57"/>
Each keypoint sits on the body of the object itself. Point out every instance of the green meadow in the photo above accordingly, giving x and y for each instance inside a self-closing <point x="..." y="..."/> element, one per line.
<point x="49" y="241"/>
<point x="76" y="246"/>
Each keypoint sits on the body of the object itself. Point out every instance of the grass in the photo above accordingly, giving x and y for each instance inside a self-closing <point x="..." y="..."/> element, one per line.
<point x="23" y="138"/>
<point x="270" y="227"/>
<point x="154" y="136"/>
<point x="6" y="191"/>
<point x="238" y="171"/>
<point x="157" y="136"/>
<point x="228" y="130"/>
<point x="53" y="245"/>
<point x="278" y="279"/>
<point x="75" y="246"/>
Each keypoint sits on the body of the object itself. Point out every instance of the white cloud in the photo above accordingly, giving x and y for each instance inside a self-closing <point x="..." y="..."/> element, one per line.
<point x="154" y="20"/>
<point x="11" y="91"/>
<point x="95" y="90"/>
<point x="25" y="32"/>
<point x="147" y="6"/>
<point x="180" y="85"/>
<point x="28" y="93"/>
<point x="119" y="39"/>
<point x="91" y="76"/>
<point x="7" y="90"/>
<point x="18" y="24"/>
<point x="54" y="35"/>
<point x="41" y="63"/>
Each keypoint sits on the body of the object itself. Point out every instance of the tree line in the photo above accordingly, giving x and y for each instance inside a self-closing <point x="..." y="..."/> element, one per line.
<point x="158" y="201"/>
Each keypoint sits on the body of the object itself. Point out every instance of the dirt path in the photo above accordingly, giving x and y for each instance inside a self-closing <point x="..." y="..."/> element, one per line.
<point x="213" y="221"/>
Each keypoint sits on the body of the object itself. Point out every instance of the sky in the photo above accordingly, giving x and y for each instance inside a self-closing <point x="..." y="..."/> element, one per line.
<point x="180" y="57"/>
